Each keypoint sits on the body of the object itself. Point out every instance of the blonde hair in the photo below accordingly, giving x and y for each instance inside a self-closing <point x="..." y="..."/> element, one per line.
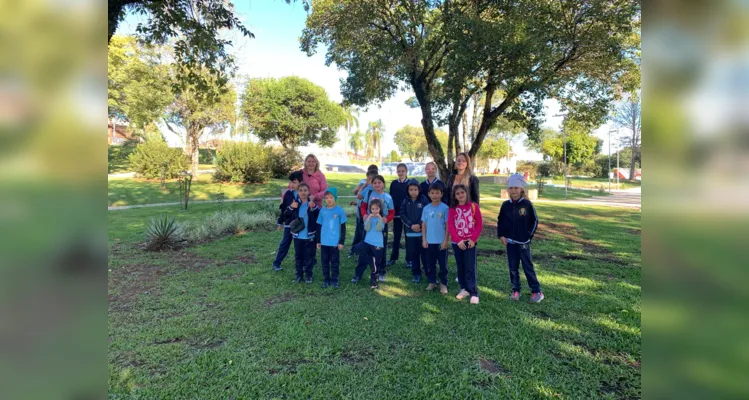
<point x="317" y="162"/>
<point x="466" y="177"/>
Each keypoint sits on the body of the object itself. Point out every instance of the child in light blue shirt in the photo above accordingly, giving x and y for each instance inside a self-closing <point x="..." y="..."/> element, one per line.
<point x="332" y="220"/>
<point x="434" y="238"/>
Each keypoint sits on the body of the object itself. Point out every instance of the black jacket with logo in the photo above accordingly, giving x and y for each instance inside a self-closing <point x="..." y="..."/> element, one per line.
<point x="517" y="220"/>
<point x="410" y="211"/>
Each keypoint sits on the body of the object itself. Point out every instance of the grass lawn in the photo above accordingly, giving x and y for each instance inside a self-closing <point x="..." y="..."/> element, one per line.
<point x="215" y="322"/>
<point x="595" y="183"/>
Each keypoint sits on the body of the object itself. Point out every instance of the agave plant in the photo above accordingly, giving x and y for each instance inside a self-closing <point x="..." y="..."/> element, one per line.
<point x="163" y="232"/>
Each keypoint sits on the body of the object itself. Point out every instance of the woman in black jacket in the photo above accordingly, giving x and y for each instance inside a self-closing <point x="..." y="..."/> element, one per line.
<point x="464" y="177"/>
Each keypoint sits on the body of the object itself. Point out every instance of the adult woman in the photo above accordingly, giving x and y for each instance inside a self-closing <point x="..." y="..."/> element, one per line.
<point x="314" y="178"/>
<point x="464" y="177"/>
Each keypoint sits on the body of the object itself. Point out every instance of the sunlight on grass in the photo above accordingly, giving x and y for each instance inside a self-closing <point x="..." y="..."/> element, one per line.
<point x="431" y="308"/>
<point x="428" y="318"/>
<point x="614" y="325"/>
<point x="392" y="292"/>
<point x="549" y="325"/>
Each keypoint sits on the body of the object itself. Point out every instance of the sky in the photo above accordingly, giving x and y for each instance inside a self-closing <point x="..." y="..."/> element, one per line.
<point x="275" y="52"/>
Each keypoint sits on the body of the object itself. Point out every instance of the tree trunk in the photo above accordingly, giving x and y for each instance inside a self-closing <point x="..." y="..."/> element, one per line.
<point x="114" y="10"/>
<point x="465" y="133"/>
<point x="193" y="137"/>
<point x="427" y="123"/>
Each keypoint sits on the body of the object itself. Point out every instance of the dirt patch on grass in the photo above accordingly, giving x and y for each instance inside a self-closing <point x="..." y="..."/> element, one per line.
<point x="279" y="298"/>
<point x="288" y="366"/>
<point x="168" y="340"/>
<point x="247" y="259"/>
<point x="492" y="367"/>
<point x="357" y="357"/>
<point x="210" y="343"/>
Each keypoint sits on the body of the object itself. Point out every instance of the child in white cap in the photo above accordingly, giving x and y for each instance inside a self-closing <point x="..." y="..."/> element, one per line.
<point x="516" y="224"/>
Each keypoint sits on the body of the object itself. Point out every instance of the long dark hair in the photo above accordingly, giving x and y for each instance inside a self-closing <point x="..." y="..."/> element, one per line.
<point x="454" y="199"/>
<point x="374" y="202"/>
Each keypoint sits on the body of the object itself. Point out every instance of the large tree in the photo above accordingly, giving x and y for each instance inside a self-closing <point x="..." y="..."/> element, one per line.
<point x="627" y="116"/>
<point x="516" y="54"/>
<point x="292" y="110"/>
<point x="198" y="109"/>
<point x="374" y="139"/>
<point x="412" y="142"/>
<point x="355" y="141"/>
<point x="139" y="88"/>
<point x="494" y="149"/>
<point x="582" y="145"/>
<point x="352" y="119"/>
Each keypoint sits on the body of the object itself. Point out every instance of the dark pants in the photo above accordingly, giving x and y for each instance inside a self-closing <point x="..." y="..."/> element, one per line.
<point x="330" y="263"/>
<point x="358" y="233"/>
<point x="397" y="232"/>
<point x="415" y="254"/>
<point x="283" y="247"/>
<point x="467" y="275"/>
<point x="304" y="255"/>
<point x="433" y="256"/>
<point x="517" y="253"/>
<point x="372" y="256"/>
<point x="381" y="261"/>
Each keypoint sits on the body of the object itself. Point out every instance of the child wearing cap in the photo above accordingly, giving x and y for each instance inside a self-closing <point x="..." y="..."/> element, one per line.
<point x="516" y="225"/>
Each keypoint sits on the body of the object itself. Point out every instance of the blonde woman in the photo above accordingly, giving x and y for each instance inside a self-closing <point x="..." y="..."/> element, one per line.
<point x="314" y="178"/>
<point x="463" y="177"/>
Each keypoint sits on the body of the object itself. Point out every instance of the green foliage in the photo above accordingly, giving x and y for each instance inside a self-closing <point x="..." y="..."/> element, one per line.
<point x="547" y="169"/>
<point x="139" y="88"/>
<point x="207" y="156"/>
<point x="243" y="162"/>
<point x="412" y="142"/>
<point x="232" y="222"/>
<point x="531" y="167"/>
<point x="292" y="110"/>
<point x="149" y="159"/>
<point x="356" y="142"/>
<point x="118" y="158"/>
<point x="282" y="161"/>
<point x="494" y="149"/>
<point x="393" y="157"/>
<point x="163" y="233"/>
<point x="582" y="145"/>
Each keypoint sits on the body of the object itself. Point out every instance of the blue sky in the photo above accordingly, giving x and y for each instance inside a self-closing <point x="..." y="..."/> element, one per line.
<point x="274" y="52"/>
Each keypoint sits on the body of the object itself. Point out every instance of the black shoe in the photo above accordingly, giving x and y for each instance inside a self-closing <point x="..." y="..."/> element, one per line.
<point x="372" y="283"/>
<point x="335" y="285"/>
<point x="277" y="268"/>
<point x="324" y="285"/>
<point x="389" y="263"/>
<point x="355" y="279"/>
<point x="417" y="279"/>
<point x="309" y="280"/>
<point x="298" y="279"/>
<point x="409" y="265"/>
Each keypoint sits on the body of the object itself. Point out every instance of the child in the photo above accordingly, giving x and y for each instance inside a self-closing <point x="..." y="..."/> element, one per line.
<point x="516" y="224"/>
<point x="388" y="213"/>
<point x="399" y="192"/>
<point x="410" y="214"/>
<point x="364" y="182"/>
<point x="465" y="225"/>
<point x="304" y="241"/>
<point x="434" y="238"/>
<point x="370" y="251"/>
<point x="289" y="197"/>
<point x="332" y="221"/>
<point x="359" y="230"/>
<point x="431" y="171"/>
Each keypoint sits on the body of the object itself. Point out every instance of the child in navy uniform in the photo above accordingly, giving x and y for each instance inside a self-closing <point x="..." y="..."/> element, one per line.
<point x="304" y="241"/>
<point x="370" y="251"/>
<point x="410" y="214"/>
<point x="516" y="225"/>
<point x="431" y="171"/>
<point x="399" y="192"/>
<point x="289" y="197"/>
<point x="434" y="238"/>
<point x="332" y="221"/>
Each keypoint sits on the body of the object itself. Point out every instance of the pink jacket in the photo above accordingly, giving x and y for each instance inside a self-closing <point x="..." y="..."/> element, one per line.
<point x="317" y="184"/>
<point x="464" y="222"/>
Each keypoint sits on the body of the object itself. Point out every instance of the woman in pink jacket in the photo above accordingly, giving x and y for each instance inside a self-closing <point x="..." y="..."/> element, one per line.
<point x="314" y="178"/>
<point x="465" y="224"/>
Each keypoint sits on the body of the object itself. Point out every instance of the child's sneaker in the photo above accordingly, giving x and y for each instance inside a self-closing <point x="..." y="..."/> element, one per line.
<point x="372" y="283"/>
<point x="474" y="300"/>
<point x="409" y="265"/>
<point x="462" y="294"/>
<point x="355" y="279"/>
<point x="443" y="289"/>
<point x="277" y="268"/>
<point x="298" y="279"/>
<point x="325" y="285"/>
<point x="381" y="278"/>
<point x="417" y="279"/>
<point x="515" y="296"/>
<point x="431" y="286"/>
<point x="537" y="297"/>
<point x="335" y="285"/>
<point x="309" y="280"/>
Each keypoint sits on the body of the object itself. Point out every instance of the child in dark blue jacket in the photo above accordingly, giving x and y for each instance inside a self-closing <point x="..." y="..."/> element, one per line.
<point x="304" y="241"/>
<point x="410" y="215"/>
<point x="288" y="197"/>
<point x="516" y="225"/>
<point x="399" y="192"/>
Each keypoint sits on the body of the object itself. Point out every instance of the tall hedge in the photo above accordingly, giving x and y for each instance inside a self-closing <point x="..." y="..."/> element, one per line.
<point x="243" y="162"/>
<point x="150" y="157"/>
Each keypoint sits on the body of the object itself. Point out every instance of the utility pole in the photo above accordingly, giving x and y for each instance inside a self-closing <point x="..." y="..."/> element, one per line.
<point x="609" y="173"/>
<point x="617" y="161"/>
<point x="564" y="141"/>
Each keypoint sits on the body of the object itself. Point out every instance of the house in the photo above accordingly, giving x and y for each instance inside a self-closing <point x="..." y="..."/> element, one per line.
<point x="118" y="133"/>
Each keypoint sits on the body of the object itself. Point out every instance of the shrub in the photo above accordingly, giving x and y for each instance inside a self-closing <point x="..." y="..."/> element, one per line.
<point x="231" y="222"/>
<point x="545" y="168"/>
<point x="206" y="156"/>
<point x="527" y="166"/>
<point x="118" y="157"/>
<point x="283" y="161"/>
<point x="242" y="162"/>
<point x="150" y="157"/>
<point x="162" y="233"/>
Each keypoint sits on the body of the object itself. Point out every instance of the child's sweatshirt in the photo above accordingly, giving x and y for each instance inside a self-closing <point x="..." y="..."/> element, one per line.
<point x="374" y="227"/>
<point x="288" y="197"/>
<point x="464" y="222"/>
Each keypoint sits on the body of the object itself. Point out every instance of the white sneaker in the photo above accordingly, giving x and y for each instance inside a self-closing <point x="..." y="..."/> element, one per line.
<point x="462" y="294"/>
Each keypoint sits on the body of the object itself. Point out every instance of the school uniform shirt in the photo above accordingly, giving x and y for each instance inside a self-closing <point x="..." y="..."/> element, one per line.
<point x="332" y="226"/>
<point x="288" y="197"/>
<point x="373" y="228"/>
<point x="388" y="208"/>
<point x="424" y="186"/>
<point x="517" y="221"/>
<point x="410" y="213"/>
<point x="436" y="221"/>
<point x="364" y="193"/>
<point x="399" y="191"/>
<point x="465" y="223"/>
<point x="308" y="215"/>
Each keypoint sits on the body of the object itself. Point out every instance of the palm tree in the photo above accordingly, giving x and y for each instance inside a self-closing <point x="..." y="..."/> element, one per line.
<point x="355" y="142"/>
<point x="374" y="138"/>
<point x="352" y="114"/>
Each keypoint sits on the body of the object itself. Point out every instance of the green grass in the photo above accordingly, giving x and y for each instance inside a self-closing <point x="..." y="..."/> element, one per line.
<point x="214" y="322"/>
<point x="595" y="183"/>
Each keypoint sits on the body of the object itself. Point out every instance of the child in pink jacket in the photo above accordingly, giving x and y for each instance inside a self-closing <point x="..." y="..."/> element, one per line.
<point x="464" y="224"/>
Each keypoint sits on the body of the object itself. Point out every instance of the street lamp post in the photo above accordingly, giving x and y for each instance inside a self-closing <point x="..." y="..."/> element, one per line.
<point x="564" y="144"/>
<point x="609" y="172"/>
<point x="617" y="161"/>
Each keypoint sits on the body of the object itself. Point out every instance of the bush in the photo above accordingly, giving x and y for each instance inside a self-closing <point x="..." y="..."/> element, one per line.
<point x="149" y="159"/>
<point x="206" y="156"/>
<point x="163" y="233"/>
<point x="528" y="166"/>
<point x="118" y="157"/>
<point x="242" y="162"/>
<point x="231" y="222"/>
<point x="545" y="168"/>
<point x="283" y="161"/>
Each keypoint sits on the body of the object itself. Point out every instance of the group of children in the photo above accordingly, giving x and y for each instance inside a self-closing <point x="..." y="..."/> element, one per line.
<point x="430" y="226"/>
